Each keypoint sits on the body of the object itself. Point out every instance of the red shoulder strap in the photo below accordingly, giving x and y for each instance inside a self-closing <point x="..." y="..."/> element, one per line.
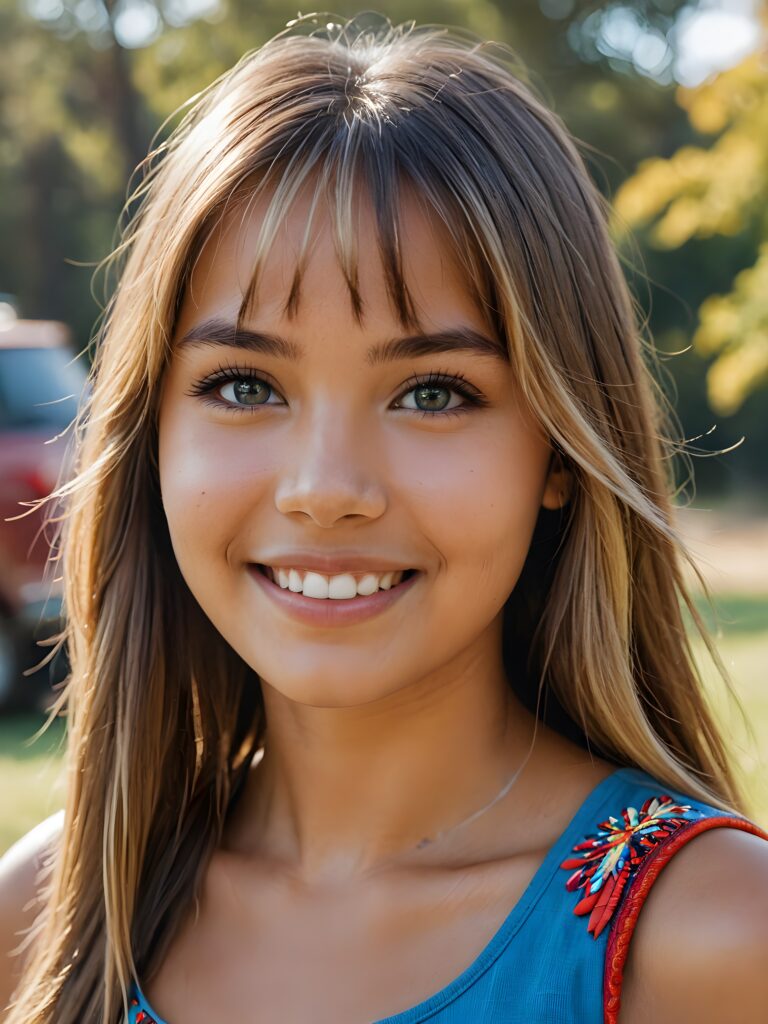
<point x="637" y="892"/>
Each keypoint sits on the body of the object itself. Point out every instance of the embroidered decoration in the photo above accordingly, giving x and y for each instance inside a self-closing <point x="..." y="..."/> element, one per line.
<point x="609" y="859"/>
<point x="141" y="1017"/>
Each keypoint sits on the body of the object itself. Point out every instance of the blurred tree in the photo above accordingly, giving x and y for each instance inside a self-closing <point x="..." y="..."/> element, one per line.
<point x="700" y="192"/>
<point x="86" y="84"/>
<point x="64" y="160"/>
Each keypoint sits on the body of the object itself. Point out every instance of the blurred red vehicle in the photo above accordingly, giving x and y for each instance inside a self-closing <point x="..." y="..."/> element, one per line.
<point x="41" y="384"/>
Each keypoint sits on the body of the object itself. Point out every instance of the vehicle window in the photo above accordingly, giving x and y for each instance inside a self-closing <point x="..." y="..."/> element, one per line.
<point x="39" y="387"/>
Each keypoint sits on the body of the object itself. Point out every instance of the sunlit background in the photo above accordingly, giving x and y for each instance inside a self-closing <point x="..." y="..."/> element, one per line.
<point x="670" y="102"/>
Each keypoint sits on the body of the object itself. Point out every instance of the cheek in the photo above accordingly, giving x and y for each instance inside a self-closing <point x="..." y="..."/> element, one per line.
<point x="210" y="483"/>
<point x="478" y="498"/>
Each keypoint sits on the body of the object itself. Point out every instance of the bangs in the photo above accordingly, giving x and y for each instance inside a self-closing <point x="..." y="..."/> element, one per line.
<point x="342" y="170"/>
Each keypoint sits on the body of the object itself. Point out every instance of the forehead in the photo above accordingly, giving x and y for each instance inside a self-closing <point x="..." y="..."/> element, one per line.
<point x="305" y="240"/>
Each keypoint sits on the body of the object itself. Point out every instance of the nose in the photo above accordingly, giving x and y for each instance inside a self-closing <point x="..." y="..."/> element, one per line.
<point x="332" y="473"/>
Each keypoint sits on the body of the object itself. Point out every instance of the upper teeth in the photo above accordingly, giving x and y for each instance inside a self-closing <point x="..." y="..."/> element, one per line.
<point x="342" y="586"/>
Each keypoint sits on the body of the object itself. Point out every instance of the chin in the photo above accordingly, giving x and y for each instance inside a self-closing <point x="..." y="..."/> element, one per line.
<point x="314" y="691"/>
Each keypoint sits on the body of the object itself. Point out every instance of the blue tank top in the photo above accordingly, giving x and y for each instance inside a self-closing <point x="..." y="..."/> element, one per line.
<point x="558" y="956"/>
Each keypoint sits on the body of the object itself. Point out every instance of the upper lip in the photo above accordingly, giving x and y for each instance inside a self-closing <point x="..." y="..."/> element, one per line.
<point x="333" y="564"/>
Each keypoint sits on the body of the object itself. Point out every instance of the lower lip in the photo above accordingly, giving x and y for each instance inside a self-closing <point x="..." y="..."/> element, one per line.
<point x="328" y="611"/>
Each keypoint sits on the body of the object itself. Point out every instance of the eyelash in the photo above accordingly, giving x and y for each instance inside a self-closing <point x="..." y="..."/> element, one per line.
<point x="227" y="374"/>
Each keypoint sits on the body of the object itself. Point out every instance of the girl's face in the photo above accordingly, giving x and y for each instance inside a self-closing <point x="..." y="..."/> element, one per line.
<point x="319" y="444"/>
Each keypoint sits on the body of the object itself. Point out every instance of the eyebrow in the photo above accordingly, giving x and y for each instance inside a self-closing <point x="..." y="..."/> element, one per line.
<point x="454" y="339"/>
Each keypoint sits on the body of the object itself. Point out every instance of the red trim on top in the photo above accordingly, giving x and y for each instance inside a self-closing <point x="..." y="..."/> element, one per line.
<point x="631" y="905"/>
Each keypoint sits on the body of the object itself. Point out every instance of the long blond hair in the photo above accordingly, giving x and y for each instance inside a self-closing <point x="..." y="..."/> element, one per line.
<point x="163" y="716"/>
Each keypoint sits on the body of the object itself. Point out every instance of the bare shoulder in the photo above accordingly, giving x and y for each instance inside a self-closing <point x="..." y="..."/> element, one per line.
<point x="700" y="948"/>
<point x="20" y="869"/>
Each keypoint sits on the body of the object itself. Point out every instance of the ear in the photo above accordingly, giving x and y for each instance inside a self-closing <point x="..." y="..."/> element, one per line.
<point x="559" y="483"/>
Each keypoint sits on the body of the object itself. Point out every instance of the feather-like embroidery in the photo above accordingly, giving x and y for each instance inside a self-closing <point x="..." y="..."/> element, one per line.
<point x="608" y="860"/>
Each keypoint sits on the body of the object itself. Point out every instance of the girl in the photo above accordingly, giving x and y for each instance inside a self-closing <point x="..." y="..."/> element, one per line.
<point x="382" y="706"/>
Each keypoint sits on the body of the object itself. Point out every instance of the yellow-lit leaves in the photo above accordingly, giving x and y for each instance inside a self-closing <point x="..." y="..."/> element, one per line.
<point x="736" y="326"/>
<point x="729" y="97"/>
<point x="699" y="192"/>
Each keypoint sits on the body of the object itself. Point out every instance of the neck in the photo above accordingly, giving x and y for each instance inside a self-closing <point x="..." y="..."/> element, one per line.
<point x="341" y="792"/>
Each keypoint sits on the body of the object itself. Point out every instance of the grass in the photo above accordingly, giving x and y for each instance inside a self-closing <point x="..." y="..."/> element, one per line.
<point x="31" y="780"/>
<point x="743" y="647"/>
<point x="31" y="777"/>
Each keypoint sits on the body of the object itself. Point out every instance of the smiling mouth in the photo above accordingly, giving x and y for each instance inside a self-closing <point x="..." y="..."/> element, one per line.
<point x="341" y="586"/>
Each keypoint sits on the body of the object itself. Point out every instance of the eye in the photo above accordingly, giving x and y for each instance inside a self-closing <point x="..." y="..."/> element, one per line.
<point x="237" y="389"/>
<point x="246" y="391"/>
<point x="432" y="395"/>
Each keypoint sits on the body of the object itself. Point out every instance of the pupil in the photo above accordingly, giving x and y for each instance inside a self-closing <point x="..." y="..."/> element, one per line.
<point x="250" y="392"/>
<point x="432" y="395"/>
